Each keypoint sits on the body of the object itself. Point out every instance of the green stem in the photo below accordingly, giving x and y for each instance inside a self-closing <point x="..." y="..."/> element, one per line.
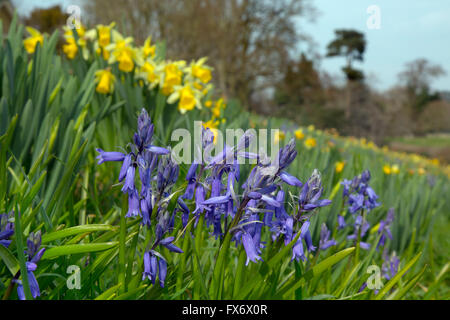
<point x="183" y="257"/>
<point x="358" y="241"/>
<point x="122" y="236"/>
<point x="20" y="253"/>
<point x="239" y="273"/>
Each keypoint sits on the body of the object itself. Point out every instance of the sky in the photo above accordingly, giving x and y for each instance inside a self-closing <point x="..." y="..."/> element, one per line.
<point x="409" y="29"/>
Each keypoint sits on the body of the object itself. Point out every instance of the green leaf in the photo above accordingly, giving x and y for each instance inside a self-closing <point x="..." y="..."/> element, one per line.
<point x="10" y="260"/>
<point x="318" y="269"/>
<point x="131" y="293"/>
<point x="109" y="293"/>
<point x="77" y="248"/>
<point x="283" y="252"/>
<point x="401" y="292"/>
<point x="87" y="228"/>
<point x="396" y="278"/>
<point x="21" y="254"/>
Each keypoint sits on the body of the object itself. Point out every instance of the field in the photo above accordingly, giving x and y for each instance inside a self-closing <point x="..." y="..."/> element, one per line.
<point x="95" y="204"/>
<point x="433" y="146"/>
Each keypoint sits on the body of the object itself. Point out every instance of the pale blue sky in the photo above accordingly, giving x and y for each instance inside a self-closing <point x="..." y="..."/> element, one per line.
<point x="410" y="29"/>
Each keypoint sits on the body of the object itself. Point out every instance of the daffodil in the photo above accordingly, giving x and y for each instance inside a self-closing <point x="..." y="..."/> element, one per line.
<point x="172" y="75"/>
<point x="198" y="86"/>
<point x="104" y="34"/>
<point x="148" y="50"/>
<point x="167" y="90"/>
<point x="310" y="143"/>
<point x="70" y="48"/>
<point x="339" y="166"/>
<point x="104" y="52"/>
<point x="387" y="169"/>
<point x="123" y="52"/>
<point x="69" y="32"/>
<point x="31" y="42"/>
<point x="208" y="103"/>
<point x="395" y="169"/>
<point x="299" y="134"/>
<point x="218" y="106"/>
<point x="77" y="38"/>
<point x="150" y="70"/>
<point x="125" y="59"/>
<point x="105" y="81"/>
<point x="187" y="100"/>
<point x="435" y="161"/>
<point x="200" y="71"/>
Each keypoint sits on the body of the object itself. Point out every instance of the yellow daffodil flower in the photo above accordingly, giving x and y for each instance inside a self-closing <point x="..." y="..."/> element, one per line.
<point x="201" y="73"/>
<point x="299" y="134"/>
<point x="172" y="75"/>
<point x="104" y="34"/>
<point x="339" y="166"/>
<point x="105" y="80"/>
<point x="148" y="50"/>
<point x="70" y="48"/>
<point x="387" y="169"/>
<point x="187" y="100"/>
<point x="149" y="69"/>
<point x="125" y="59"/>
<point x="395" y="169"/>
<point x="310" y="143"/>
<point x="31" y="42"/>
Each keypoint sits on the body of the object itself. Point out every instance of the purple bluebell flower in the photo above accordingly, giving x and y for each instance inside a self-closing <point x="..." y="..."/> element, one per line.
<point x="185" y="211"/>
<point x="298" y="249"/>
<point x="162" y="264"/>
<point x="133" y="204"/>
<point x="109" y="156"/>
<point x="360" y="196"/>
<point x="146" y="207"/>
<point x="6" y="229"/>
<point x="34" y="254"/>
<point x="191" y="178"/>
<point x="390" y="265"/>
<point x="384" y="228"/>
<point x="250" y="249"/>
<point x="128" y="186"/>
<point x="309" y="198"/>
<point x="150" y="266"/>
<point x="325" y="241"/>
<point x="364" y="228"/>
<point x="167" y="242"/>
<point x="127" y="163"/>
<point x="341" y="222"/>
<point x="166" y="177"/>
<point x="356" y="202"/>
<point x="143" y="156"/>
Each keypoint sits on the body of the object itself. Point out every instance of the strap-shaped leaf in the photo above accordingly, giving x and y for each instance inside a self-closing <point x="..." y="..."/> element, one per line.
<point x="87" y="228"/>
<point x="77" y="248"/>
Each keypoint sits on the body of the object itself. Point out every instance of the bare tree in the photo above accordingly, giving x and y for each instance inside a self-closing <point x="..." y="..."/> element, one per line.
<point x="419" y="74"/>
<point x="417" y="78"/>
<point x="248" y="42"/>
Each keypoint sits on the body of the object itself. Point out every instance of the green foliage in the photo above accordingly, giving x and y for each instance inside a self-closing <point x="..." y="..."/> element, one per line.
<point x="51" y="121"/>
